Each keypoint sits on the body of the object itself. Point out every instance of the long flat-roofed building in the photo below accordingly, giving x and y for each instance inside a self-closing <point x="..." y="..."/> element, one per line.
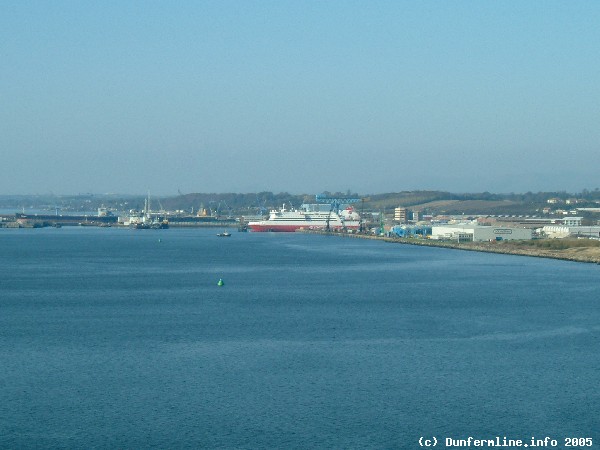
<point x="563" y="231"/>
<point x="479" y="233"/>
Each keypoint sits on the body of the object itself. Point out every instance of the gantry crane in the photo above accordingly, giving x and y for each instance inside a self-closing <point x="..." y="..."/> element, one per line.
<point x="335" y="203"/>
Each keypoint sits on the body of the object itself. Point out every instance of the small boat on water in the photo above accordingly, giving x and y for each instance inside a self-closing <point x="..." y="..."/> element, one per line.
<point x="224" y="234"/>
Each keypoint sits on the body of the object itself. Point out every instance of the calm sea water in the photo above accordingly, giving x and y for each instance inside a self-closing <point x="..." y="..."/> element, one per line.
<point x="114" y="338"/>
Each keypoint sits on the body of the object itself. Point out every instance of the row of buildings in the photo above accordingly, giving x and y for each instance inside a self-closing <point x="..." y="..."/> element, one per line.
<point x="488" y="228"/>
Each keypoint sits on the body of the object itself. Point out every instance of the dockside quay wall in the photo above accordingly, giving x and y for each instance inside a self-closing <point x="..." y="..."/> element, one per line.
<point x="576" y="254"/>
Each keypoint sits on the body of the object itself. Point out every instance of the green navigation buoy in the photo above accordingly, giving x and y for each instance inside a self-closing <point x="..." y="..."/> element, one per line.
<point x="220" y="283"/>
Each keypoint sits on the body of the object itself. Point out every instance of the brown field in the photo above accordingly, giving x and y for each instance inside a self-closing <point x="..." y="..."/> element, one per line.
<point x="464" y="206"/>
<point x="581" y="250"/>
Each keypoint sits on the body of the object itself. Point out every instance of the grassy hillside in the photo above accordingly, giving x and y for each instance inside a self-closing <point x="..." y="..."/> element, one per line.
<point x="438" y="202"/>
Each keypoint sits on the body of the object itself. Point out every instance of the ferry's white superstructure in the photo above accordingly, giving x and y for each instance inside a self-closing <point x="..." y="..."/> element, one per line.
<point x="293" y="219"/>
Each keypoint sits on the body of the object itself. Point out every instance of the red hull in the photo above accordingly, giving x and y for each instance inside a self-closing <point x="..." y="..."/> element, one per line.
<point x="289" y="228"/>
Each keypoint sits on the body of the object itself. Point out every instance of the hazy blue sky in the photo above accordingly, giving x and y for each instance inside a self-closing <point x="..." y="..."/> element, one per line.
<point x="299" y="96"/>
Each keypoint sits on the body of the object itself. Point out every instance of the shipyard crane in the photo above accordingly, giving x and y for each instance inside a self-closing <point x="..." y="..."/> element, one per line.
<point x="162" y="209"/>
<point x="262" y="210"/>
<point x="335" y="202"/>
<point x="229" y="209"/>
<point x="362" y="213"/>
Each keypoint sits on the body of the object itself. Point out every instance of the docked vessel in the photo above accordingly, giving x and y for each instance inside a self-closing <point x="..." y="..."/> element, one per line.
<point x="146" y="220"/>
<point x="293" y="219"/>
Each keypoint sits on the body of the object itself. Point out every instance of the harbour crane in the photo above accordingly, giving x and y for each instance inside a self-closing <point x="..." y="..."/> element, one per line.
<point x="335" y="203"/>
<point x="262" y="210"/>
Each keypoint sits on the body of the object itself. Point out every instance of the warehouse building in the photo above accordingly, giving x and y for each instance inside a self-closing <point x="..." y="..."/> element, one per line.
<point x="479" y="233"/>
<point x="563" y="231"/>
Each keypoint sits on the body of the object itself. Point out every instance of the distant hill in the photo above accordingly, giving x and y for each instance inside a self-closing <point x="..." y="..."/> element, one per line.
<point x="233" y="203"/>
<point x="433" y="202"/>
<point x="471" y="207"/>
<point x="440" y="202"/>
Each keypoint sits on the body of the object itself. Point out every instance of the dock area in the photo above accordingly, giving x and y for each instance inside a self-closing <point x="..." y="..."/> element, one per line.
<point x="577" y="250"/>
<point x="19" y="220"/>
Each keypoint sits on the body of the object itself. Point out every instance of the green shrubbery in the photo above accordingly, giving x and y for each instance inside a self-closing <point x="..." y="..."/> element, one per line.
<point x="560" y="244"/>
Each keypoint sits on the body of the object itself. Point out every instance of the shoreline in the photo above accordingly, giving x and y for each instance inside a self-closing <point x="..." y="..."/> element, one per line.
<point x="590" y="255"/>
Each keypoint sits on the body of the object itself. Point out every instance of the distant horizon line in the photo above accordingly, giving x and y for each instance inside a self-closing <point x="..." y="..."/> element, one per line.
<point x="113" y="194"/>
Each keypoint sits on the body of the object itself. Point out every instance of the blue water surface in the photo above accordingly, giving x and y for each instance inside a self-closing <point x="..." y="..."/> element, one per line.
<point x="117" y="338"/>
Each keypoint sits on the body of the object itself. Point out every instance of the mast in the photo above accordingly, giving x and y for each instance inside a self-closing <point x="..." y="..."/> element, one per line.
<point x="147" y="206"/>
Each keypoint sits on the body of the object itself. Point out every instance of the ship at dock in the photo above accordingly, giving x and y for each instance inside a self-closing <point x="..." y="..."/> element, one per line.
<point x="146" y="219"/>
<point x="167" y="219"/>
<point x="289" y="220"/>
<point x="104" y="218"/>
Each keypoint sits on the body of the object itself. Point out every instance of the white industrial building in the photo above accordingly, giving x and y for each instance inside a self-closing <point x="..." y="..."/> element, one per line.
<point x="563" y="231"/>
<point x="572" y="221"/>
<point x="479" y="233"/>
